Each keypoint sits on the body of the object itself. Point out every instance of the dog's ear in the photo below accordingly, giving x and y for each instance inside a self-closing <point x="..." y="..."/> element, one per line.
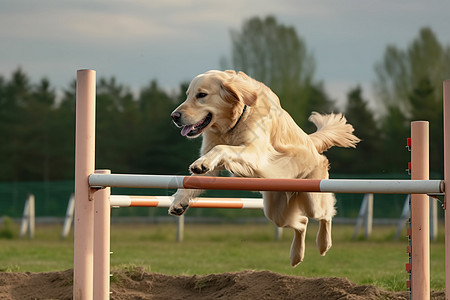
<point x="230" y="72"/>
<point x="239" y="88"/>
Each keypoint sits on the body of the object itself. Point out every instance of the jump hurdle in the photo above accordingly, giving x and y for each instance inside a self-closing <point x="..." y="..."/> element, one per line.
<point x="92" y="197"/>
<point x="263" y="184"/>
<point x="165" y="201"/>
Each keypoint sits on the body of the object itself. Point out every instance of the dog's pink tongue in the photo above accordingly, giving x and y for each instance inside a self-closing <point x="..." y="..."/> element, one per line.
<point x="186" y="129"/>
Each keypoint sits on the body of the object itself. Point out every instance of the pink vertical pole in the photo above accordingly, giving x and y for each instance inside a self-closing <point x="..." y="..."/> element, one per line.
<point x="84" y="166"/>
<point x="447" y="184"/>
<point x="420" y="223"/>
<point x="102" y="240"/>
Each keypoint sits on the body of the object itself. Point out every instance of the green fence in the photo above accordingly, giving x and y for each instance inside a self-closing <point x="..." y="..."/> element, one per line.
<point x="52" y="198"/>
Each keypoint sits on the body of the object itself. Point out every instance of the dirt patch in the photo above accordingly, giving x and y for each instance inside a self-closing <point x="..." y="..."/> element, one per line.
<point x="240" y="285"/>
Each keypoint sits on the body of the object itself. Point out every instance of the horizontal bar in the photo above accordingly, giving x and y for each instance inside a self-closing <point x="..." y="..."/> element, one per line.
<point x="137" y="181"/>
<point x="266" y="184"/>
<point x="382" y="186"/>
<point x="166" y="201"/>
<point x="203" y="182"/>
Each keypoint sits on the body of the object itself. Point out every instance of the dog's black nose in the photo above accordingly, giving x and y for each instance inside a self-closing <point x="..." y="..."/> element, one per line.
<point x="176" y="116"/>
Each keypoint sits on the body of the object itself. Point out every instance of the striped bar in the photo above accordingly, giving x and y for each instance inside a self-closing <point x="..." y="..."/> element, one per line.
<point x="165" y="201"/>
<point x="265" y="184"/>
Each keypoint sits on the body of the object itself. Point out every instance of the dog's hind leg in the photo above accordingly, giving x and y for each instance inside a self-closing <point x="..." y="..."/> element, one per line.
<point x="286" y="213"/>
<point x="298" y="243"/>
<point x="320" y="206"/>
<point x="323" y="239"/>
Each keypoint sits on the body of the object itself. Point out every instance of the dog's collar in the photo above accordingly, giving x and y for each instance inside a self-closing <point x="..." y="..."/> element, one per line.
<point x="240" y="117"/>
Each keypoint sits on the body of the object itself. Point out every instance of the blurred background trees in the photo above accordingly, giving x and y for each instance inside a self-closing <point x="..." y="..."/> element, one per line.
<point x="277" y="56"/>
<point x="409" y="88"/>
<point x="135" y="133"/>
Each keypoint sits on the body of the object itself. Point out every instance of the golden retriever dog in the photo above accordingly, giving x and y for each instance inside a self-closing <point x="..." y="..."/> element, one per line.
<point x="246" y="131"/>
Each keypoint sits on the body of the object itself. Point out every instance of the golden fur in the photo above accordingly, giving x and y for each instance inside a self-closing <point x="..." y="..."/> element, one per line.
<point x="261" y="140"/>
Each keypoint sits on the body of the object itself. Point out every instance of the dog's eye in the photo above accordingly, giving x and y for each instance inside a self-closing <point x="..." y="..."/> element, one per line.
<point x="201" y="95"/>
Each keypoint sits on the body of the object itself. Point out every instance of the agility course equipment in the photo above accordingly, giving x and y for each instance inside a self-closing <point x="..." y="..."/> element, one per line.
<point x="365" y="216"/>
<point x="93" y="200"/>
<point x="28" y="219"/>
<point x="264" y="184"/>
<point x="69" y="217"/>
<point x="165" y="201"/>
<point x="406" y="213"/>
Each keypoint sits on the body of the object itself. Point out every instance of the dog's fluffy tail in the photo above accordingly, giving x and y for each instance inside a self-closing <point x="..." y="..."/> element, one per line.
<point x="332" y="130"/>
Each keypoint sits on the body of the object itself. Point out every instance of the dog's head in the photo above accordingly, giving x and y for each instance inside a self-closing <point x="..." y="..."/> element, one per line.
<point x="216" y="101"/>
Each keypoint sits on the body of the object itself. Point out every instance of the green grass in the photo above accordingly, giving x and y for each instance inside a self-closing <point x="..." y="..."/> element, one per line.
<point x="230" y="248"/>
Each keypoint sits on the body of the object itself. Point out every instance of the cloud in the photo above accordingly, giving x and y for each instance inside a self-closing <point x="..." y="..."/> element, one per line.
<point x="66" y="25"/>
<point x="173" y="40"/>
<point x="115" y="25"/>
<point x="109" y="21"/>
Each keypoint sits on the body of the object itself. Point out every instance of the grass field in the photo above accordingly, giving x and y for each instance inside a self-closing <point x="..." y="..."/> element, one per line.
<point x="228" y="248"/>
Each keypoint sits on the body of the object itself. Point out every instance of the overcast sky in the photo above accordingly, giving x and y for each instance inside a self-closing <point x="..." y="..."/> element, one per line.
<point x="174" y="40"/>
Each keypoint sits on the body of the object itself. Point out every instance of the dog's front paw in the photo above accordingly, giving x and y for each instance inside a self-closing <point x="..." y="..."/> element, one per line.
<point x="178" y="209"/>
<point x="180" y="202"/>
<point x="200" y="166"/>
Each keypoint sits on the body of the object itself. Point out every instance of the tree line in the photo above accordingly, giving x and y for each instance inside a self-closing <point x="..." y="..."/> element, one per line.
<point x="135" y="134"/>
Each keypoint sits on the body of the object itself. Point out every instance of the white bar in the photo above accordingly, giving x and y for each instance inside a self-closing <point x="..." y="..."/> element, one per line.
<point x="137" y="181"/>
<point x="253" y="203"/>
<point x="25" y="218"/>
<point x="180" y="229"/>
<point x="433" y="219"/>
<point x="381" y="186"/>
<point x="362" y="212"/>
<point x="31" y="222"/>
<point x="368" y="222"/>
<point x="28" y="219"/>
<point x="120" y="201"/>
<point x="69" y="217"/>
